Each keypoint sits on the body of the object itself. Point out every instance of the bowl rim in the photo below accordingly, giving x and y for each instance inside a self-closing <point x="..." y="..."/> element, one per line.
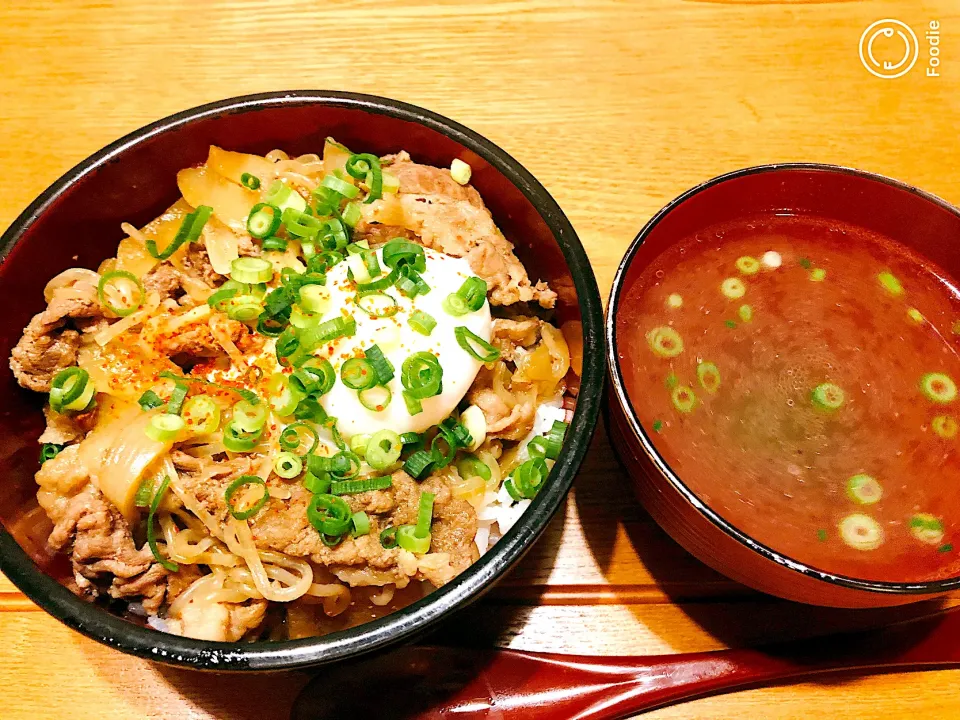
<point x="617" y="386"/>
<point x="99" y="624"/>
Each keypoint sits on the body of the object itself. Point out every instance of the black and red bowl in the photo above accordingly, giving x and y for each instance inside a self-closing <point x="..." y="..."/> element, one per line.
<point x="76" y="222"/>
<point x="922" y="222"/>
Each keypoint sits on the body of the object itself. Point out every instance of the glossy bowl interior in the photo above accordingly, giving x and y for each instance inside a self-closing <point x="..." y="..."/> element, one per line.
<point x="921" y="221"/>
<point x="76" y="222"/>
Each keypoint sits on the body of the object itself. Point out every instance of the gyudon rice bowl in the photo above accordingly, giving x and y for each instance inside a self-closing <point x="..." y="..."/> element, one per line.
<point x="309" y="392"/>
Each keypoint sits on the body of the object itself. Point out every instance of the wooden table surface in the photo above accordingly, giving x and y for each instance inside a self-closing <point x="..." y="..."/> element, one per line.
<point x="616" y="106"/>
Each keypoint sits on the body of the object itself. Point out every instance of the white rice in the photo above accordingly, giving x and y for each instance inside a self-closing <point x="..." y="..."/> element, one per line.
<point x="499" y="512"/>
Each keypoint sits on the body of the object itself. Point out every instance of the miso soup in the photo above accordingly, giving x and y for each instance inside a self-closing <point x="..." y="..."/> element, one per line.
<point x="800" y="377"/>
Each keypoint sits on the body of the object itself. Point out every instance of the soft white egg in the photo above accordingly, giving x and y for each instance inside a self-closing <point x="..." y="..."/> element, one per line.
<point x="398" y="340"/>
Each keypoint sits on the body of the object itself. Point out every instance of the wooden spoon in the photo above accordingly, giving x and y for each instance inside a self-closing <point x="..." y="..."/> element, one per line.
<point x="430" y="683"/>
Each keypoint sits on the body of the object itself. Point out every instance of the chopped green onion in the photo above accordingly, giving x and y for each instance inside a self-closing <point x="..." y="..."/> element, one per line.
<point x="248" y="395"/>
<point x="473" y="292"/>
<point x="861" y="532"/>
<point x="301" y="319"/>
<point x="150" y="400"/>
<point x="411" y="438"/>
<point x="665" y="342"/>
<point x="361" y="524"/>
<point x="936" y="387"/>
<point x="228" y="290"/>
<point x="237" y="440"/>
<point x="407" y="539"/>
<point x="414" y="406"/>
<point x="71" y="389"/>
<point x="358" y="374"/>
<point x="398" y="252"/>
<point x="234" y="487"/>
<point x="512" y="491"/>
<point x="144" y="494"/>
<point x="283" y="399"/>
<point x="367" y="167"/>
<point x="382" y="366"/>
<point x="382" y="284"/>
<point x="341" y="187"/>
<point x="189" y="231"/>
<point x="475" y="346"/>
<point x="201" y="414"/>
<point x="555" y="438"/>
<point x="863" y="489"/>
<point x="287" y="465"/>
<point x="422" y="322"/>
<point x="388" y="538"/>
<point x="151" y="531"/>
<point x="410" y="284"/>
<point x="321" y="368"/>
<point x="454" y="305"/>
<point x="249" y="418"/>
<point x="351" y="214"/>
<point x="164" y="427"/>
<point x="251" y="182"/>
<point x="283" y="197"/>
<point x="424" y="515"/>
<point x="375" y="399"/>
<point x="746" y="313"/>
<point x="290" y="437"/>
<point x="301" y="225"/>
<point x="733" y="288"/>
<point x="114" y="281"/>
<point x="683" y="398"/>
<point x="48" y="451"/>
<point x="263" y="220"/>
<point x="421" y="375"/>
<point x="251" y="270"/>
<point x="528" y="478"/>
<point x="316" y="484"/>
<point x="471" y="466"/>
<point x="748" y="265"/>
<point x="709" y="376"/>
<point x="336" y="328"/>
<point x="314" y="298"/>
<point x="377" y="304"/>
<point x="383" y="449"/>
<point x="179" y="394"/>
<point x="358" y="445"/>
<point x="352" y="487"/>
<point x="274" y="243"/>
<point x="370" y="263"/>
<point x="418" y="464"/>
<point x="244" y="308"/>
<point x="890" y="283"/>
<point x="827" y="396"/>
<point x="329" y="514"/>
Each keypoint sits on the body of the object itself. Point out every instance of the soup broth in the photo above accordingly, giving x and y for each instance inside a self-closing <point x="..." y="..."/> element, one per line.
<point x="799" y="376"/>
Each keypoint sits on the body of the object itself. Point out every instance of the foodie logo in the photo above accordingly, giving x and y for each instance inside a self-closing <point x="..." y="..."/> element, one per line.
<point x="889" y="49"/>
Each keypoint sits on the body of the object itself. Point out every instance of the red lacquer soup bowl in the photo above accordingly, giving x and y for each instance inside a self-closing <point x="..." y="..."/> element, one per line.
<point x="883" y="513"/>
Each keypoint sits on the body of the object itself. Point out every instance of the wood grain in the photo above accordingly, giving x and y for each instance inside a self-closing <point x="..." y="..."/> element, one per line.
<point x="616" y="106"/>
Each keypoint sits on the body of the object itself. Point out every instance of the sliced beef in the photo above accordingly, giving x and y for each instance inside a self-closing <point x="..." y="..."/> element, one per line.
<point x="103" y="552"/>
<point x="282" y="525"/>
<point x="165" y="280"/>
<point x="197" y="341"/>
<point x="48" y="345"/>
<point x="510" y="334"/>
<point x="452" y="219"/>
<point x="503" y="422"/>
<point x="61" y="429"/>
<point x="197" y="264"/>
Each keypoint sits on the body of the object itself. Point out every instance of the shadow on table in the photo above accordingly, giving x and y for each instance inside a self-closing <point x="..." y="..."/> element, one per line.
<point x="732" y="614"/>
